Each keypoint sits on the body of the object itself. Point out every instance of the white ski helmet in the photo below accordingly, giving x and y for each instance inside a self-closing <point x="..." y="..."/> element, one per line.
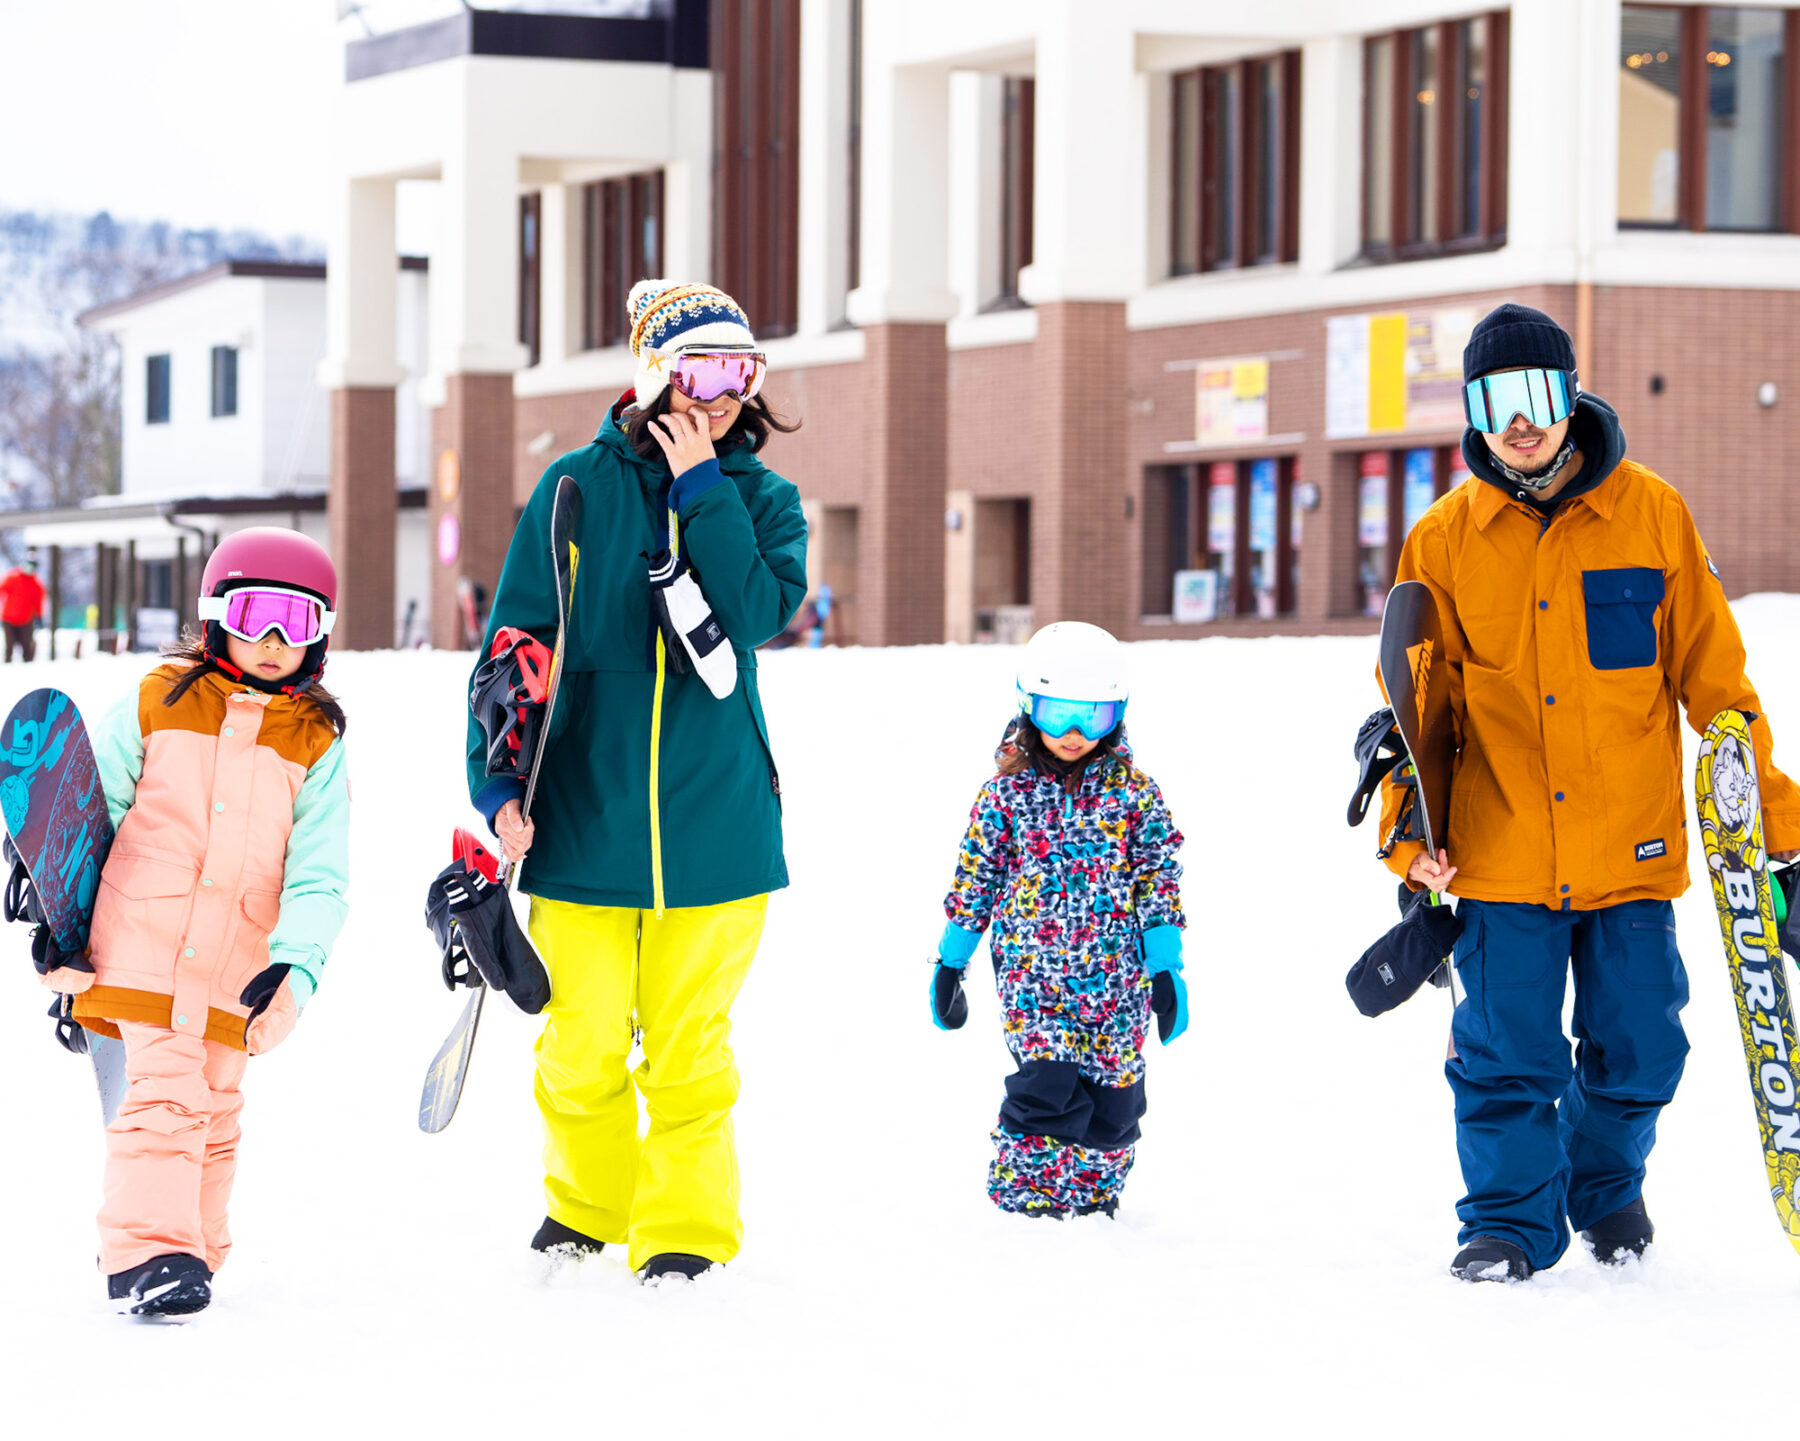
<point x="1072" y="660"/>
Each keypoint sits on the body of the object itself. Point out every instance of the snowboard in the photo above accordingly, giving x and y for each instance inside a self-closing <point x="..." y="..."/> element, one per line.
<point x="1728" y="799"/>
<point x="449" y="1069"/>
<point x="57" y="825"/>
<point x="1417" y="681"/>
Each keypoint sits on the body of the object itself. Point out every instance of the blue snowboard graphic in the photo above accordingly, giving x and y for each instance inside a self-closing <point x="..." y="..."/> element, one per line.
<point x="55" y="813"/>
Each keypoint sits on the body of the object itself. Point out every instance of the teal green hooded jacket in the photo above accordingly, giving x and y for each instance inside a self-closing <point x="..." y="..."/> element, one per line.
<point x="653" y="793"/>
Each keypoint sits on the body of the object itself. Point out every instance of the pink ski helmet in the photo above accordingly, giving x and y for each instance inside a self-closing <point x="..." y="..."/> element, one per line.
<point x="270" y="555"/>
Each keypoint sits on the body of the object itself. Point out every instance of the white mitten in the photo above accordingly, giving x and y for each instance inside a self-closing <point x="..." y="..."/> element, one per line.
<point x="692" y="633"/>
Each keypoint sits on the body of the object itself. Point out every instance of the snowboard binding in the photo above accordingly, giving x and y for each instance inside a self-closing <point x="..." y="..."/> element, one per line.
<point x="508" y="697"/>
<point x="1380" y="755"/>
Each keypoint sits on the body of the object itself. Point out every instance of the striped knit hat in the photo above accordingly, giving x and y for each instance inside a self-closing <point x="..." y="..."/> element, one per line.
<point x="667" y="318"/>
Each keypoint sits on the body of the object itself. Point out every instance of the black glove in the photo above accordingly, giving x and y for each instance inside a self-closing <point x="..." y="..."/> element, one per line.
<point x="1168" y="1002"/>
<point x="47" y="956"/>
<point x="262" y="988"/>
<point x="1406" y="957"/>
<point x="949" y="1006"/>
<point x="472" y="920"/>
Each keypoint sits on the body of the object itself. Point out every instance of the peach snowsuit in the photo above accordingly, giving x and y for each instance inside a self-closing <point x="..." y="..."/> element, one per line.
<point x="231" y="809"/>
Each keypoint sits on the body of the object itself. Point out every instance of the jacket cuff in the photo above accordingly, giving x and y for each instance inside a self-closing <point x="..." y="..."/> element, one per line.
<point x="1162" y="949"/>
<point x="300" y="961"/>
<point x="957" y="945"/>
<point x="1400" y="859"/>
<point x="696" y="481"/>
<point x="497" y="793"/>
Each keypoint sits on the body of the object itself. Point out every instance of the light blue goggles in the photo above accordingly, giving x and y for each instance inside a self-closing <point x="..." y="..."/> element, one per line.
<point x="1095" y="719"/>
<point x="1542" y="396"/>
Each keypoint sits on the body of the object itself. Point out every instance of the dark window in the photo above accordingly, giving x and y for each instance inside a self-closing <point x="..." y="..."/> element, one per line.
<point x="531" y="224"/>
<point x="1018" y="127"/>
<point x="1234" y="518"/>
<point x="622" y="244"/>
<point x="853" y="178"/>
<point x="156" y="390"/>
<point x="1235" y="144"/>
<point x="756" y="159"/>
<point x="1395" y="488"/>
<point x="224" y="382"/>
<point x="1434" y="139"/>
<point x="1705" y="133"/>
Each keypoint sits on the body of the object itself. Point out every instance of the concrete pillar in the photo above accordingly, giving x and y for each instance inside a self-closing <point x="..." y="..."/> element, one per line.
<point x="360" y="371"/>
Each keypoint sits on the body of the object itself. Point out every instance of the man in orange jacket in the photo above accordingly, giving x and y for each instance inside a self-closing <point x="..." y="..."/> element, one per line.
<point x="1579" y="607"/>
<point x="21" y="602"/>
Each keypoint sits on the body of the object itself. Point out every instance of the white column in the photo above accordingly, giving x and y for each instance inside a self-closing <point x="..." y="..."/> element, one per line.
<point x="475" y="264"/>
<point x="974" y="199"/>
<point x="687" y="181"/>
<point x="1546" y="77"/>
<point x="1331" y="152"/>
<point x="905" y="276"/>
<point x="559" y="272"/>
<point x="1087" y="223"/>
<point x="824" y="161"/>
<point x="361" y="289"/>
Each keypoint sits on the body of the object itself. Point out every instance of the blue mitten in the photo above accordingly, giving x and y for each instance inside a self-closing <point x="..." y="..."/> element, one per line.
<point x="949" y="1006"/>
<point x="1168" y="991"/>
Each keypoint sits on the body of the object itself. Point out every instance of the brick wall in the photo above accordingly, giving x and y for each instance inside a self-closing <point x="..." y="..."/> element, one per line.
<point x="475" y="421"/>
<point x="361" y="515"/>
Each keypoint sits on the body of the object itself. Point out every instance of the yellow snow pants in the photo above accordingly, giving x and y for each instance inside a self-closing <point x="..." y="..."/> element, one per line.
<point x="615" y="971"/>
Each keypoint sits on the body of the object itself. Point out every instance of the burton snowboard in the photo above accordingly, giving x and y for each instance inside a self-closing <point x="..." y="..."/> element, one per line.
<point x="58" y="827"/>
<point x="1418" y="688"/>
<point x="1729" y="801"/>
<point x="450" y="1067"/>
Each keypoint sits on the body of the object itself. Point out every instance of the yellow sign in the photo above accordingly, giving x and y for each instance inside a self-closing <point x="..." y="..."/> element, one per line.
<point x="1231" y="401"/>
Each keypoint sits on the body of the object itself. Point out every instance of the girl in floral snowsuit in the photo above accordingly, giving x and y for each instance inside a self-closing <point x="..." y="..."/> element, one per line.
<point x="1070" y="860"/>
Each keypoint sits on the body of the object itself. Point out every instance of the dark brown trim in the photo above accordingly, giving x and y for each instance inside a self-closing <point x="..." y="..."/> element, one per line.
<point x="853" y="142"/>
<point x="1494" y="112"/>
<point x="1790" y="137"/>
<point x="531" y="275"/>
<point x="1692" y="109"/>
<point x="677" y="37"/>
<point x="1288" y="209"/>
<point x="255" y="269"/>
<point x="1447" y="97"/>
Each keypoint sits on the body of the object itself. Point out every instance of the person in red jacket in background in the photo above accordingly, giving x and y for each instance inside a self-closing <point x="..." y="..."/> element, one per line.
<point x="21" y="603"/>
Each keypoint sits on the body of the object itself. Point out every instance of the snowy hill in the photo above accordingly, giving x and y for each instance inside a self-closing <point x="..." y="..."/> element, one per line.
<point x="1278" y="1265"/>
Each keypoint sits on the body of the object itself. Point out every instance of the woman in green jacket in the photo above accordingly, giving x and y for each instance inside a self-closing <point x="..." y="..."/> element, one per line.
<point x="658" y="802"/>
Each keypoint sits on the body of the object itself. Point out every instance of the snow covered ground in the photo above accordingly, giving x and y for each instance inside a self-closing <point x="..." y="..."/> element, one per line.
<point x="1277" y="1267"/>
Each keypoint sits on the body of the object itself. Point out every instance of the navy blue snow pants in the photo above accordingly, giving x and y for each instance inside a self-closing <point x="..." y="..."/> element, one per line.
<point x="1543" y="1143"/>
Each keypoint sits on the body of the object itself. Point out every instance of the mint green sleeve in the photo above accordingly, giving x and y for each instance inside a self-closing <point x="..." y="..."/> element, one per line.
<point x="316" y="878"/>
<point x="119" y="756"/>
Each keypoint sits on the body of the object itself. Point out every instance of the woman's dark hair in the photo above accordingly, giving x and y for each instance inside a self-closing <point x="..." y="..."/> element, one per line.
<point x="1025" y="748"/>
<point x="191" y="650"/>
<point x="754" y="422"/>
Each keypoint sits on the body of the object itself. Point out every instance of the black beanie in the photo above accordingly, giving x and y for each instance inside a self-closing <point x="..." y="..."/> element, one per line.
<point x="1510" y="335"/>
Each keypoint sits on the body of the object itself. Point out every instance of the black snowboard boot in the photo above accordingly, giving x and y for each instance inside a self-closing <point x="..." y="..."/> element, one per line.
<point x="674" y="1263"/>
<point x="561" y="1240"/>
<point x="1623" y="1234"/>
<point x="1488" y="1258"/>
<point x="172" y="1285"/>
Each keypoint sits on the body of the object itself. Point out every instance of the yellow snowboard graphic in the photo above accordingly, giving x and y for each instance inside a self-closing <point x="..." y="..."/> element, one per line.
<point x="1729" y="803"/>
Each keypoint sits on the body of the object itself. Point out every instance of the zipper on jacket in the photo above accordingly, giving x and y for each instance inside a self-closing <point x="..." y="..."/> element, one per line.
<point x="656" y="704"/>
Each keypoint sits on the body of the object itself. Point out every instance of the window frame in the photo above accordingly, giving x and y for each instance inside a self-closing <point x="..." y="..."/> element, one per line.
<point x="1449" y="178"/>
<point x="531" y="275"/>
<point x="1017" y="196"/>
<point x="1690" y="194"/>
<point x="1191" y="196"/>
<point x="1185" y="531"/>
<point x="224" y="375"/>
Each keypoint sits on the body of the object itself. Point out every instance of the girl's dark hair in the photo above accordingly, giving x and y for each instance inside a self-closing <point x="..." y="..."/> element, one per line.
<point x="754" y="422"/>
<point x="1024" y="748"/>
<point x="191" y="650"/>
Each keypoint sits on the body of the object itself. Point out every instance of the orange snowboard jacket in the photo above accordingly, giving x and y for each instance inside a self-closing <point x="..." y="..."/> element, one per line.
<point x="1570" y="641"/>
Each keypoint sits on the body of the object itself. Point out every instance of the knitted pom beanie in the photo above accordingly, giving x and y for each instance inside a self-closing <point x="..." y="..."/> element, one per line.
<point x="667" y="318"/>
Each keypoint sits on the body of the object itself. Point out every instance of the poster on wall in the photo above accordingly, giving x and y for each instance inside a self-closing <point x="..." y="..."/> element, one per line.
<point x="1231" y="401"/>
<point x="1262" y="505"/>
<point x="1418" y="486"/>
<point x="1221" y="508"/>
<point x="1393" y="371"/>
<point x="1371" y="507"/>
<point x="1196" y="595"/>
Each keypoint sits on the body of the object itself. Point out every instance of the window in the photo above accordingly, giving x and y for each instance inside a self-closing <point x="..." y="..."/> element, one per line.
<point x="756" y="159"/>
<point x="1434" y="139"/>
<point x="156" y="390"/>
<point x="224" y="382"/>
<point x="531" y="217"/>
<point x="1235" y="144"/>
<point x="1395" y="488"/>
<point x="1233" y="518"/>
<point x="1704" y="134"/>
<point x="1018" y="126"/>
<point x="622" y="244"/>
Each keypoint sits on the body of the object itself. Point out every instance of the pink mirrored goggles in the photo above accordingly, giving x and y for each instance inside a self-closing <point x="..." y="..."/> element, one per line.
<point x="250" y="612"/>
<point x="705" y="375"/>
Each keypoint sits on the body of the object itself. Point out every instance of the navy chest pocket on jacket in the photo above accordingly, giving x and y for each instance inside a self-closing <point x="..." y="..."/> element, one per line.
<point x="1621" y="616"/>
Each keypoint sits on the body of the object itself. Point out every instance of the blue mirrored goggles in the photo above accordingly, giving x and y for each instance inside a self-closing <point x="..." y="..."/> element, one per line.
<point x="1542" y="396"/>
<point x="1095" y="719"/>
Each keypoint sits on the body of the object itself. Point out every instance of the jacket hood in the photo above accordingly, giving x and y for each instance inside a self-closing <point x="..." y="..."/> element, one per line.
<point x="1597" y="432"/>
